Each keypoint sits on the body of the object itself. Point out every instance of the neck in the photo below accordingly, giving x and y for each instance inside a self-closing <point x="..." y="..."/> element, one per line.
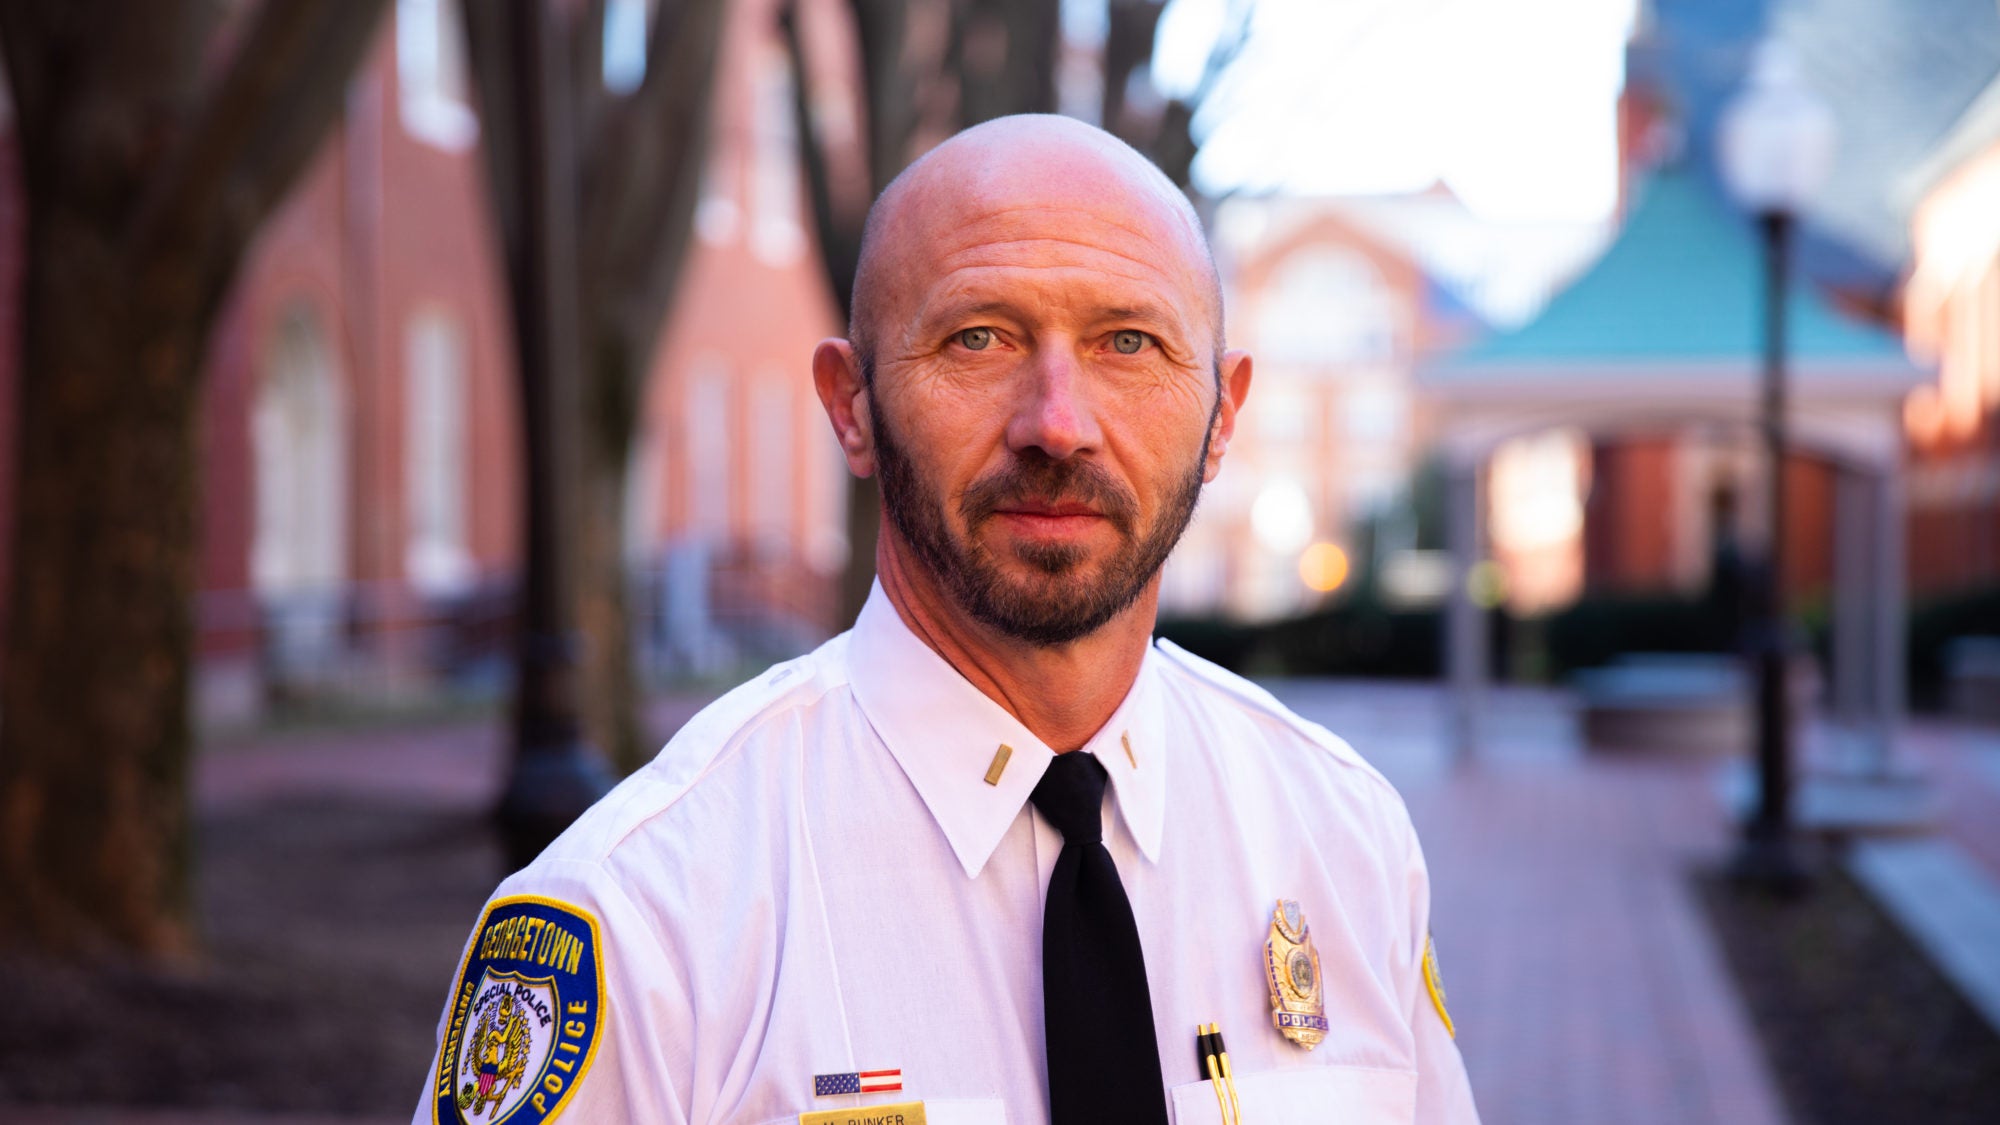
<point x="1063" y="694"/>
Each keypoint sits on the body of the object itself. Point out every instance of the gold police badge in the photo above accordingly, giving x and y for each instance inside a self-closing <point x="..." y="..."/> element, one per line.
<point x="1291" y="968"/>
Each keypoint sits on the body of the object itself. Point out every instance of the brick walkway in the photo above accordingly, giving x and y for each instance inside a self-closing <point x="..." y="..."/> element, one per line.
<point x="1964" y="762"/>
<point x="1583" y="980"/>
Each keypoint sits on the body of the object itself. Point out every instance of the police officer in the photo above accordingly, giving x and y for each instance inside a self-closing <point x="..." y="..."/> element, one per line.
<point x="993" y="855"/>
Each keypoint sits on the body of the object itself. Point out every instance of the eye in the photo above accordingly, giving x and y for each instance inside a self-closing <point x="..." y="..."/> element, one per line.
<point x="1129" y="341"/>
<point x="976" y="339"/>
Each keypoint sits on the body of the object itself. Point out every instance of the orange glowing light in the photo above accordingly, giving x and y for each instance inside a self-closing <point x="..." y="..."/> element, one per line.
<point x="1323" y="567"/>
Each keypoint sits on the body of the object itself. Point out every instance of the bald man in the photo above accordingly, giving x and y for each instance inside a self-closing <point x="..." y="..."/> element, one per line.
<point x="993" y="855"/>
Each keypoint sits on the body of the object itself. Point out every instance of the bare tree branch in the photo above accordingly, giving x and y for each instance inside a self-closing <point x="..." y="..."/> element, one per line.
<point x="254" y="133"/>
<point x="586" y="67"/>
<point x="33" y="47"/>
<point x="839" y="242"/>
<point x="1163" y="130"/>
<point x="643" y="176"/>
<point x="496" y="83"/>
<point x="1004" y="56"/>
<point x="1128" y="45"/>
<point x="890" y="86"/>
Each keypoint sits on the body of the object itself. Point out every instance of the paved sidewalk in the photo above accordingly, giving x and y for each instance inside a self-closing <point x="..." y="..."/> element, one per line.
<point x="1963" y="762"/>
<point x="462" y="764"/>
<point x="1583" y="980"/>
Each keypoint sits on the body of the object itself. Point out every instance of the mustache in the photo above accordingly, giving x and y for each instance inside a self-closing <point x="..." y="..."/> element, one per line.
<point x="1034" y="476"/>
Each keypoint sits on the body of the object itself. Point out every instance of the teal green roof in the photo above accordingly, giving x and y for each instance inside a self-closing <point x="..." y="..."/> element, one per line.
<point x="1683" y="282"/>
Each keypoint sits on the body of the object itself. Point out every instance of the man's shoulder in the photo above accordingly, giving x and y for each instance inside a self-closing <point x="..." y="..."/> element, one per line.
<point x="1218" y="689"/>
<point x="741" y="720"/>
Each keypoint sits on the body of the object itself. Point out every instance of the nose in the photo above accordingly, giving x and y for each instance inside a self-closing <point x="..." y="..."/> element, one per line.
<point x="1054" y="412"/>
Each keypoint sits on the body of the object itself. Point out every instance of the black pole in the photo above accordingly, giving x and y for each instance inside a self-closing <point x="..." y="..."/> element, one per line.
<point x="553" y="777"/>
<point x="1768" y="856"/>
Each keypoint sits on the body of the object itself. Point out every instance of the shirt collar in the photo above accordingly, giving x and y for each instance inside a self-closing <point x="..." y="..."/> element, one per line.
<point x="945" y="733"/>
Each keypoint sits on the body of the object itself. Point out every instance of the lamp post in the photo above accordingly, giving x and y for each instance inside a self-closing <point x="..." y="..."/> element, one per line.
<point x="553" y="776"/>
<point x="1775" y="147"/>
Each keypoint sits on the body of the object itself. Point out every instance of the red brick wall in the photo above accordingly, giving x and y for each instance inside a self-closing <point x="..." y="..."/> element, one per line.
<point x="1809" y="514"/>
<point x="1628" y="519"/>
<point x="382" y="226"/>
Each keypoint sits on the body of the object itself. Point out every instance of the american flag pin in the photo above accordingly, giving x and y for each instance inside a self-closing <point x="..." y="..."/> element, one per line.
<point x="857" y="1082"/>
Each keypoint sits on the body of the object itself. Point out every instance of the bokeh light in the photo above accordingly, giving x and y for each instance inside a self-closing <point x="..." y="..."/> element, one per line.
<point x="1323" y="567"/>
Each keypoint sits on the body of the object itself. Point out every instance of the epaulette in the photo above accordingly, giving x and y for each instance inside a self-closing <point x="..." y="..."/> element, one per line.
<point x="1256" y="698"/>
<point x="697" y="748"/>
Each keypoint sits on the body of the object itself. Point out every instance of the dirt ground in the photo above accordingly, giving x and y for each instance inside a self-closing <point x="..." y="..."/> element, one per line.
<point x="1857" y="1024"/>
<point x="333" y="929"/>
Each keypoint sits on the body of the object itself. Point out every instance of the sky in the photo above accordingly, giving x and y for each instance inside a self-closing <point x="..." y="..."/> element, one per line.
<point x="1511" y="103"/>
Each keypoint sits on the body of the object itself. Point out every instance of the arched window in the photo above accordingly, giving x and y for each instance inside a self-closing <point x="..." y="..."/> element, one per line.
<point x="298" y="542"/>
<point x="772" y="463"/>
<point x="1327" y="306"/>
<point x="706" y="447"/>
<point x="299" y="449"/>
<point x="435" y="558"/>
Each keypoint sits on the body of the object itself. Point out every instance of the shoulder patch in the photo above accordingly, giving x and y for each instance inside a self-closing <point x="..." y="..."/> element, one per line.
<point x="1434" y="983"/>
<point x="527" y="1010"/>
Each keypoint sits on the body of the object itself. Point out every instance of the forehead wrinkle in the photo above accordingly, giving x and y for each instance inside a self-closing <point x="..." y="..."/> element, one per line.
<point x="960" y="295"/>
<point x="1148" y="271"/>
<point x="1096" y="215"/>
<point x="1192" y="258"/>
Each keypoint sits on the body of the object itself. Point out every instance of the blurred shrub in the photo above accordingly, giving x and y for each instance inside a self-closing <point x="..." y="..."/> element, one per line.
<point x="1601" y="627"/>
<point x="1357" y="638"/>
<point x="1934" y="624"/>
<point x="1362" y="638"/>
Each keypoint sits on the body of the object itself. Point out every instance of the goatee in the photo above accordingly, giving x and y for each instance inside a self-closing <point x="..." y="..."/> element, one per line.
<point x="1059" y="601"/>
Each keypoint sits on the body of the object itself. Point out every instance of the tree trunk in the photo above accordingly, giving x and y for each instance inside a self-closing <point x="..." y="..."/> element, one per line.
<point x="610" y="681"/>
<point x="149" y="157"/>
<point x="94" y="746"/>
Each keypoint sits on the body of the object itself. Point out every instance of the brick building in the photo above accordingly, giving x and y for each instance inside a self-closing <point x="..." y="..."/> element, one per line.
<point x="362" y="487"/>
<point x="1952" y="318"/>
<point x="1334" y="314"/>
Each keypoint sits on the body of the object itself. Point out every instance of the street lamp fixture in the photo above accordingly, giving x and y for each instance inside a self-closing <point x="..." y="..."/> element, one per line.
<point x="1775" y="147"/>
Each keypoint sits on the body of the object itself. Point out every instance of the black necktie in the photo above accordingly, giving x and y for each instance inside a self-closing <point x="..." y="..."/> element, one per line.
<point x="1104" y="1064"/>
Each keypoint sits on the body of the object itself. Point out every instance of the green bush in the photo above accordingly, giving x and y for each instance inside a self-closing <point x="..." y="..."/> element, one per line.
<point x="1934" y="624"/>
<point x="1362" y="638"/>
<point x="1359" y="639"/>
<point x="1601" y="627"/>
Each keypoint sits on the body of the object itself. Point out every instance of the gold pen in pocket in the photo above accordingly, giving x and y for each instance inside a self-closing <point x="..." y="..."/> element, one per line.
<point x="1214" y="1061"/>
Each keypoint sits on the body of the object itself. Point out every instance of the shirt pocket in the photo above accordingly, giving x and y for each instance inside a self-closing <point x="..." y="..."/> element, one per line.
<point x="966" y="1111"/>
<point x="937" y="1111"/>
<point x="1350" y="1095"/>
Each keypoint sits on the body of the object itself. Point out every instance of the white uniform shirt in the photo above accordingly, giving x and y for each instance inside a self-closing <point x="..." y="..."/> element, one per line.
<point x="815" y="878"/>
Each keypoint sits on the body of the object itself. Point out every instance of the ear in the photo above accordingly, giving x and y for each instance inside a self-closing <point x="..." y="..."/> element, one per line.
<point x="837" y="378"/>
<point x="1235" y="388"/>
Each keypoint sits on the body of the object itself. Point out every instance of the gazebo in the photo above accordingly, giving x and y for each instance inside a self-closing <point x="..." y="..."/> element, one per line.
<point x="1665" y="331"/>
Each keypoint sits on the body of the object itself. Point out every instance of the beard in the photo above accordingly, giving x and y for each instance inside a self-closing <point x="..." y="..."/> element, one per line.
<point x="1061" y="598"/>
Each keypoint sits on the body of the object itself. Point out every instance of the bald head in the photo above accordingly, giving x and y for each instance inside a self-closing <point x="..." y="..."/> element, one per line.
<point x="1027" y="165"/>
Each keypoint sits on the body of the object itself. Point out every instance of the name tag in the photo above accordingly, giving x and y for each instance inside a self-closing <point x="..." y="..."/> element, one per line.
<point x="895" y="1113"/>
